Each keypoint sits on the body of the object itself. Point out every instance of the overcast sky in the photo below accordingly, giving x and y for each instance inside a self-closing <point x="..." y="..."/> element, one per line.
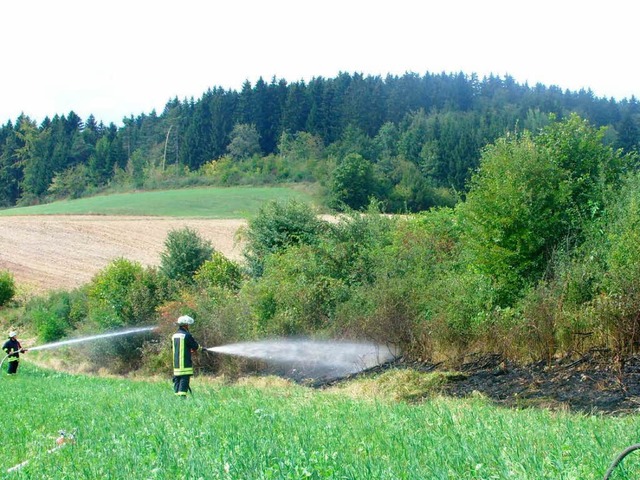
<point x="119" y="58"/>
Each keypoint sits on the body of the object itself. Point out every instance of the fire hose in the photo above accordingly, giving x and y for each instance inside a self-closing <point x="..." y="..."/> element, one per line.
<point x="80" y="340"/>
<point x="619" y="459"/>
<point x="9" y="354"/>
<point x="63" y="439"/>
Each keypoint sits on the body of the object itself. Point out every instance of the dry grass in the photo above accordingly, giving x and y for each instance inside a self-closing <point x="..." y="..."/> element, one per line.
<point x="395" y="385"/>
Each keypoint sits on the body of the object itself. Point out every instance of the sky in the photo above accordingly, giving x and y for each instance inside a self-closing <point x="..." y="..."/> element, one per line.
<point x="120" y="58"/>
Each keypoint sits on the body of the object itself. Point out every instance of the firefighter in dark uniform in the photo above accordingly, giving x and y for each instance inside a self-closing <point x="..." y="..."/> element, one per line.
<point x="183" y="346"/>
<point x="13" y="349"/>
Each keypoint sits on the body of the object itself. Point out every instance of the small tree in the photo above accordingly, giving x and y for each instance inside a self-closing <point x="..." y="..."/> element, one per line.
<point x="353" y="183"/>
<point x="185" y="252"/>
<point x="245" y="142"/>
<point x="7" y="287"/>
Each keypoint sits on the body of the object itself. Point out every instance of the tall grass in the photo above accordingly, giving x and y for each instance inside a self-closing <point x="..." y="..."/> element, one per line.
<point x="208" y="202"/>
<point x="138" y="430"/>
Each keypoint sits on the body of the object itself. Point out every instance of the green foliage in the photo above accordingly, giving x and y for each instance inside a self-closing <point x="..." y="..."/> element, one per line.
<point x="300" y="147"/>
<point x="7" y="287"/>
<point x="219" y="271"/>
<point x="349" y="248"/>
<point x="405" y="277"/>
<point x="296" y="295"/>
<point x="592" y="169"/>
<point x="56" y="315"/>
<point x="277" y="226"/>
<point x="71" y="183"/>
<point x="124" y="293"/>
<point x="619" y="299"/>
<point x="185" y="252"/>
<point x="353" y="183"/>
<point x="245" y="141"/>
<point x="135" y="169"/>
<point x="303" y="286"/>
<point x="535" y="195"/>
<point x="515" y="214"/>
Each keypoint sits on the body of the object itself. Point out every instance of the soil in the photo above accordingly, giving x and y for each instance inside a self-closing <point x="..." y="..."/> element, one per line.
<point x="64" y="252"/>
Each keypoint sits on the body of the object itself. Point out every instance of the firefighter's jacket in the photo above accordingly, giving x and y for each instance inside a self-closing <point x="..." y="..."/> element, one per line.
<point x="12" y="348"/>
<point x="183" y="344"/>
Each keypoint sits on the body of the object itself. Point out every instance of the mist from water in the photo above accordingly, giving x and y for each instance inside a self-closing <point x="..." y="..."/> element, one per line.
<point x="318" y="359"/>
<point x="71" y="341"/>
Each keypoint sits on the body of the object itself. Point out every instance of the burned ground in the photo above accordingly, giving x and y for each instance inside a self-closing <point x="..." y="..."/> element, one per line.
<point x="592" y="383"/>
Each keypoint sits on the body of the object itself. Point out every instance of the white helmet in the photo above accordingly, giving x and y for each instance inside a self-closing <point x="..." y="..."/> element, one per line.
<point x="185" y="320"/>
<point x="12" y="334"/>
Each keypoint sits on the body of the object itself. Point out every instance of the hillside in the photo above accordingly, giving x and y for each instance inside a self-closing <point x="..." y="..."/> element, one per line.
<point x="63" y="251"/>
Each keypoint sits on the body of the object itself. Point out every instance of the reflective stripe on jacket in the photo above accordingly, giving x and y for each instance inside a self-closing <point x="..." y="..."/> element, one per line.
<point x="183" y="344"/>
<point x="12" y="349"/>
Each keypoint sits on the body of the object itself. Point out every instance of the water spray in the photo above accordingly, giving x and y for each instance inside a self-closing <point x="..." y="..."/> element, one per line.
<point x="313" y="358"/>
<point x="72" y="341"/>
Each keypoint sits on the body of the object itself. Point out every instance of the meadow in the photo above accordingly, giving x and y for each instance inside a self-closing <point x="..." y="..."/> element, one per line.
<point x="137" y="429"/>
<point x="206" y="202"/>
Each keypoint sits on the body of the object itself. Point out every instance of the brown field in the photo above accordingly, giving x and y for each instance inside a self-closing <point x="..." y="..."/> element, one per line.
<point x="63" y="252"/>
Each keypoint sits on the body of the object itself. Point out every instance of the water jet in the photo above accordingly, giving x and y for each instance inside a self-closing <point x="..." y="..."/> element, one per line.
<point x="89" y="338"/>
<point x="302" y="358"/>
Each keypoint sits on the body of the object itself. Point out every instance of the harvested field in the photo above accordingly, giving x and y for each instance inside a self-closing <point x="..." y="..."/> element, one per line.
<point x="64" y="251"/>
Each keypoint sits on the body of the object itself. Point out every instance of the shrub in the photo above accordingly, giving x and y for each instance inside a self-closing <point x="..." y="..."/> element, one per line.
<point x="7" y="287"/>
<point x="276" y="227"/>
<point x="124" y="293"/>
<point x="353" y="183"/>
<point x="55" y="316"/>
<point x="295" y="295"/>
<point x="185" y="252"/>
<point x="219" y="271"/>
<point x="48" y="325"/>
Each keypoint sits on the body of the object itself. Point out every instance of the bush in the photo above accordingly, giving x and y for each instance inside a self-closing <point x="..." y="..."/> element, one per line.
<point x="295" y="296"/>
<point x="219" y="272"/>
<point x="55" y="316"/>
<point x="7" y="287"/>
<point x="185" y="252"/>
<point x="124" y="293"/>
<point x="276" y="227"/>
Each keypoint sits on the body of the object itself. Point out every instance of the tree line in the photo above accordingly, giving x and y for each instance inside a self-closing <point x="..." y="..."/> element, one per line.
<point x="410" y="141"/>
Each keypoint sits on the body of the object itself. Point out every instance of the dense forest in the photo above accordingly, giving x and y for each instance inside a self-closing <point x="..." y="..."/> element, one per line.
<point x="411" y="141"/>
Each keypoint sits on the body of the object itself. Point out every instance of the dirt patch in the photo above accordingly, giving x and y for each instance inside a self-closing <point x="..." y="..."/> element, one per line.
<point x="63" y="252"/>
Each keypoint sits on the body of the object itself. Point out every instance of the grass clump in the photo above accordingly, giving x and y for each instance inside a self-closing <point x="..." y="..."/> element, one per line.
<point x="399" y="385"/>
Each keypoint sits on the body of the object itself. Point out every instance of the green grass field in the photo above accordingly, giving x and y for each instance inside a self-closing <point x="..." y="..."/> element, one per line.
<point x="139" y="430"/>
<point x="209" y="202"/>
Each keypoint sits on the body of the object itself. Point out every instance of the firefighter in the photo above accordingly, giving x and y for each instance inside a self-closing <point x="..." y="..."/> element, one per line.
<point x="183" y="346"/>
<point x="13" y="349"/>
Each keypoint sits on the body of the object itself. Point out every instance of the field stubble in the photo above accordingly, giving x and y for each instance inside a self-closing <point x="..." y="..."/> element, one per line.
<point x="65" y="251"/>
